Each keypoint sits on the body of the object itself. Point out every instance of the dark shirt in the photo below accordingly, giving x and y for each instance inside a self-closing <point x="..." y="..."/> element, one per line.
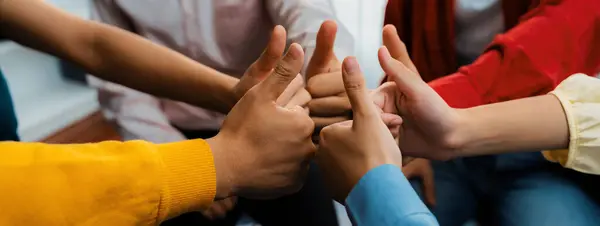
<point x="8" y="119"/>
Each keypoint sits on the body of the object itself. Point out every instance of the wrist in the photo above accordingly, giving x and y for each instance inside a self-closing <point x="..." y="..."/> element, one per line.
<point x="461" y="135"/>
<point x="230" y="94"/>
<point x="469" y="132"/>
<point x="224" y="174"/>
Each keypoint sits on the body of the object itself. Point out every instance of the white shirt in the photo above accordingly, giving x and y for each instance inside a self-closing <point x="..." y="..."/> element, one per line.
<point x="227" y="35"/>
<point x="477" y="22"/>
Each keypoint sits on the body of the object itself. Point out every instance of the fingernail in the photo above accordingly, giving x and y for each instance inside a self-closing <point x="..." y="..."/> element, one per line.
<point x="385" y="53"/>
<point x="350" y="64"/>
<point x="294" y="51"/>
<point x="397" y="121"/>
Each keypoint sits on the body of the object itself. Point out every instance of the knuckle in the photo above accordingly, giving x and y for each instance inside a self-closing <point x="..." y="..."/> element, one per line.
<point x="346" y="103"/>
<point x="311" y="85"/>
<point x="252" y="94"/>
<point x="269" y="56"/>
<point x="326" y="133"/>
<point x="353" y="85"/>
<point x="309" y="125"/>
<point x="284" y="71"/>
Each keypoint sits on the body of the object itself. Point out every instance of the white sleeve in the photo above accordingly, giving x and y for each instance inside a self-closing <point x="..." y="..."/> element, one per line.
<point x="302" y="19"/>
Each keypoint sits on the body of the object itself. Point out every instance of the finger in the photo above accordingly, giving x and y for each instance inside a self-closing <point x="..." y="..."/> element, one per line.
<point x="323" y="55"/>
<point x="283" y="74"/>
<point x="406" y="81"/>
<point x="290" y="91"/>
<point x="384" y="97"/>
<point x="429" y="186"/>
<point x="295" y="108"/>
<point x="301" y="98"/>
<point x="325" y="84"/>
<point x="410" y="170"/>
<point x="219" y="209"/>
<point x="330" y="106"/>
<point x="391" y="120"/>
<point x="325" y="121"/>
<point x="406" y="160"/>
<point x="395" y="131"/>
<point x="271" y="55"/>
<point x="229" y="203"/>
<point x="397" y="48"/>
<point x="360" y="100"/>
<point x="209" y="214"/>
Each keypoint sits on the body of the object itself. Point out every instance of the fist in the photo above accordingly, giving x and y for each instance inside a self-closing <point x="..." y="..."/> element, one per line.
<point x="266" y="146"/>
<point x="349" y="149"/>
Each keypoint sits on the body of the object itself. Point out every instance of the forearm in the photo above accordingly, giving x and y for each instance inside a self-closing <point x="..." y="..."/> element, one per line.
<point x="530" y="124"/>
<point x="116" y="55"/>
<point x="130" y="183"/>
<point x="159" y="71"/>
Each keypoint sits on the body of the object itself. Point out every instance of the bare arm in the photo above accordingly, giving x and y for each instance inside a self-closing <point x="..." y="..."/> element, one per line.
<point x="116" y="55"/>
<point x="530" y="124"/>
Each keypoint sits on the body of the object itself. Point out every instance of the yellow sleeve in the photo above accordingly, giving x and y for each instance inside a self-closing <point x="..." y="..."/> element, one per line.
<point x="108" y="183"/>
<point x="580" y="99"/>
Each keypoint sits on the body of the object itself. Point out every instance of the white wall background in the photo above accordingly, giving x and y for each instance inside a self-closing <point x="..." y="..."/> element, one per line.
<point x="364" y="19"/>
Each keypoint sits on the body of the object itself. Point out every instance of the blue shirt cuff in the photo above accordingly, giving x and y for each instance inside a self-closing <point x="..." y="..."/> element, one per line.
<point x="384" y="196"/>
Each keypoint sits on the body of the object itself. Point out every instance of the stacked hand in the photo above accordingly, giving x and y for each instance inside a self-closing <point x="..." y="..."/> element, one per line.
<point x="349" y="149"/>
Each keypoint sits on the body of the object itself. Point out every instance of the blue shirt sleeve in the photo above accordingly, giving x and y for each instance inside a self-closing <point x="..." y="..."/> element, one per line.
<point x="384" y="197"/>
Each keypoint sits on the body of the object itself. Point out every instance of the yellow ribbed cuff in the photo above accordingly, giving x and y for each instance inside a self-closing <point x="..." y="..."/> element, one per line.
<point x="190" y="181"/>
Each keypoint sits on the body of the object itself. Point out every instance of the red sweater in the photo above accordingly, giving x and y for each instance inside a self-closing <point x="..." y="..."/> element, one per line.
<point x="554" y="39"/>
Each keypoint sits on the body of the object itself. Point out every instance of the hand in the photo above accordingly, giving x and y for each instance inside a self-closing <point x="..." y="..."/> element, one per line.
<point x="264" y="66"/>
<point x="262" y="150"/>
<point x="220" y="208"/>
<point x="330" y="103"/>
<point x="429" y="128"/>
<point x="421" y="168"/>
<point x="349" y="149"/>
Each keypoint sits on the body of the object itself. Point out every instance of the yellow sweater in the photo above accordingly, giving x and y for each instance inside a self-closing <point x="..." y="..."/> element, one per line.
<point x="109" y="183"/>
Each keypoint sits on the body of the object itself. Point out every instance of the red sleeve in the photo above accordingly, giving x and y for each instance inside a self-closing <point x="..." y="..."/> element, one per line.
<point x="557" y="39"/>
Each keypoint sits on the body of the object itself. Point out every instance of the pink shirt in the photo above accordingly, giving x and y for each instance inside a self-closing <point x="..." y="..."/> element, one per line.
<point x="227" y="35"/>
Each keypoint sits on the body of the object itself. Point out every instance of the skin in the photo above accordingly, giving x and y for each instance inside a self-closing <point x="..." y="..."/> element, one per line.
<point x="349" y="149"/>
<point x="434" y="130"/>
<point x="324" y="80"/>
<point x="246" y="165"/>
<point x="413" y="168"/>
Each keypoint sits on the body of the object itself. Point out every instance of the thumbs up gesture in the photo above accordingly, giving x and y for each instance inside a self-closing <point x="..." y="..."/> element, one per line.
<point x="431" y="126"/>
<point x="349" y="149"/>
<point x="324" y="80"/>
<point x="264" y="66"/>
<point x="263" y="148"/>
